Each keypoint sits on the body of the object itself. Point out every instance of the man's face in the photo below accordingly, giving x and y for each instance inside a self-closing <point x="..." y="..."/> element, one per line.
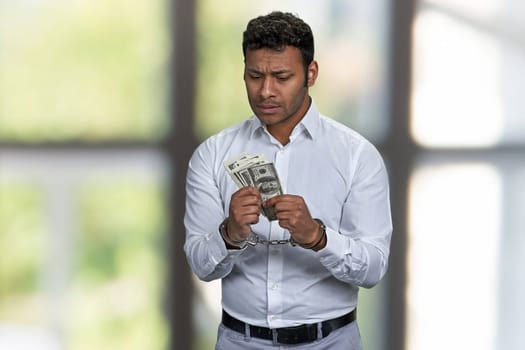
<point x="275" y="83"/>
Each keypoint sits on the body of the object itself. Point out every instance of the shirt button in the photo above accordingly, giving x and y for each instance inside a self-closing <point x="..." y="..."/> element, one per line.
<point x="275" y="286"/>
<point x="274" y="317"/>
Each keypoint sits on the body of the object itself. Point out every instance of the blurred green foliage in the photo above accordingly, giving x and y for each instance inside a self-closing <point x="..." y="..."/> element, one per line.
<point x="90" y="71"/>
<point x="85" y="70"/>
<point x="22" y="241"/>
<point x="113" y="298"/>
<point x="221" y="98"/>
<point x="119" y="272"/>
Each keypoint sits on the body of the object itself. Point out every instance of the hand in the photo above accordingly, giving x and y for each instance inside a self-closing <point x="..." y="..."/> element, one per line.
<point x="293" y="215"/>
<point x="245" y="207"/>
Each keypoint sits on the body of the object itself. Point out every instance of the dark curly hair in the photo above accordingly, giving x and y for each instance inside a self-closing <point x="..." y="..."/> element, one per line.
<point x="277" y="30"/>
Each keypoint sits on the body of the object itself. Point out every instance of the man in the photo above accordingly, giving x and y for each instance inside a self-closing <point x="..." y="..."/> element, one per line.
<point x="295" y="284"/>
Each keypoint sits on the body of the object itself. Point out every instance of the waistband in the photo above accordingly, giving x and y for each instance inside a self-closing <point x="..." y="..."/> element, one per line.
<point x="304" y="333"/>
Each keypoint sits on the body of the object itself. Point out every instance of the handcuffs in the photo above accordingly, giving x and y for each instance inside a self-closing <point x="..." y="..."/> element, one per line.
<point x="253" y="239"/>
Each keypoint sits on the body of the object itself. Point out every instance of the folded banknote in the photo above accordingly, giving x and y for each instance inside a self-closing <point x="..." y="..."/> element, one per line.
<point x="256" y="171"/>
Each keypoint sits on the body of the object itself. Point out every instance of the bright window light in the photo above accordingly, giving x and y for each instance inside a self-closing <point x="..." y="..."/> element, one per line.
<point x="454" y="220"/>
<point x="457" y="98"/>
<point x="27" y="338"/>
<point x="475" y="8"/>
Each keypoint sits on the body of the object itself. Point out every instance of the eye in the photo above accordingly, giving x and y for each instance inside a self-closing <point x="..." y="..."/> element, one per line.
<point x="254" y="76"/>
<point x="283" y="77"/>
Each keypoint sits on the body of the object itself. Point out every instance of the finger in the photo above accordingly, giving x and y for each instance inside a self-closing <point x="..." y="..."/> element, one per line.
<point x="245" y="202"/>
<point x="245" y="196"/>
<point x="287" y="225"/>
<point x="244" y="207"/>
<point x="248" y="190"/>
<point x="247" y="219"/>
<point x="272" y="202"/>
<point x="290" y="211"/>
<point x="284" y="199"/>
<point x="243" y="218"/>
<point x="242" y="204"/>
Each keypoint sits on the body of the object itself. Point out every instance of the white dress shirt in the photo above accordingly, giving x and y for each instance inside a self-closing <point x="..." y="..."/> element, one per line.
<point x="343" y="180"/>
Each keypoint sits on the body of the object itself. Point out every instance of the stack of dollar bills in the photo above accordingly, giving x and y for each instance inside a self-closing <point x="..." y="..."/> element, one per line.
<point x="256" y="171"/>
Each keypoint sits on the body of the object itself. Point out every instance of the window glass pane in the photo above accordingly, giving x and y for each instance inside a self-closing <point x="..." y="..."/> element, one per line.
<point x="206" y="312"/>
<point x="86" y="265"/>
<point x="119" y="268"/>
<point x="469" y="60"/>
<point x="465" y="253"/>
<point x="476" y="9"/>
<point x="85" y="70"/>
<point x="350" y="48"/>
<point x="452" y="256"/>
<point x="372" y="316"/>
<point x="22" y="238"/>
<point x="512" y="258"/>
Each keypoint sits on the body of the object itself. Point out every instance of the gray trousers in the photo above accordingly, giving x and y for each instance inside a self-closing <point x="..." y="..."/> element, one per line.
<point x="344" y="338"/>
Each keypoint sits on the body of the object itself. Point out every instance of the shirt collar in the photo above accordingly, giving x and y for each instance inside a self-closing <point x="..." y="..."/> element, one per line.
<point x="310" y="123"/>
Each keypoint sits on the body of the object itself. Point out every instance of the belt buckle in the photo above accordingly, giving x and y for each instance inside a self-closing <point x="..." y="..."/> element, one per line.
<point x="296" y="335"/>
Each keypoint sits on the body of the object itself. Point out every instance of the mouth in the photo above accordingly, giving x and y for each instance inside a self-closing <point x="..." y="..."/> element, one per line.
<point x="268" y="108"/>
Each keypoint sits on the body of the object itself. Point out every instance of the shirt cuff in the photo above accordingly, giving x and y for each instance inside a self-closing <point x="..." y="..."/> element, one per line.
<point x="337" y="246"/>
<point x="219" y="252"/>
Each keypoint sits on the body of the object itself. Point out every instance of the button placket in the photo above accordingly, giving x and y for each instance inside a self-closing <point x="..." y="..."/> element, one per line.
<point x="275" y="260"/>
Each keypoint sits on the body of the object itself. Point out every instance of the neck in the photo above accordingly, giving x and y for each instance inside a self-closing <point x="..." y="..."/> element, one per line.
<point x="282" y="131"/>
<point x="281" y="134"/>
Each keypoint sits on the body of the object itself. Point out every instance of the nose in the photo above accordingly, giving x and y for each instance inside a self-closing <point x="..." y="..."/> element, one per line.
<point x="267" y="88"/>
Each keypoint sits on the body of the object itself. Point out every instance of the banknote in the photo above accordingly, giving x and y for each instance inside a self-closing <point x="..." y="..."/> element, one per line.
<point x="256" y="171"/>
<point x="264" y="177"/>
<point x="237" y="167"/>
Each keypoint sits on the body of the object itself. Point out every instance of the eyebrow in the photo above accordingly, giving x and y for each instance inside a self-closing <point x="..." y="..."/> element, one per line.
<point x="277" y="72"/>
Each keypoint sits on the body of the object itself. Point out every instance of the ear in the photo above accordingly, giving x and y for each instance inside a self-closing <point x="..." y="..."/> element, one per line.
<point x="312" y="71"/>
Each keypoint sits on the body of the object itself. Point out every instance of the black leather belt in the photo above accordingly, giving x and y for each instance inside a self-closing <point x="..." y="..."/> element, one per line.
<point x="304" y="333"/>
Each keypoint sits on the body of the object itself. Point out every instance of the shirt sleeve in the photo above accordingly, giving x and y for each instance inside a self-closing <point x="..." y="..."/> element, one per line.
<point x="358" y="252"/>
<point x="204" y="247"/>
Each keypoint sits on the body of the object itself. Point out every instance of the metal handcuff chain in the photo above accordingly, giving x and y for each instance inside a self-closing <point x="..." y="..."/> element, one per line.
<point x="254" y="239"/>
